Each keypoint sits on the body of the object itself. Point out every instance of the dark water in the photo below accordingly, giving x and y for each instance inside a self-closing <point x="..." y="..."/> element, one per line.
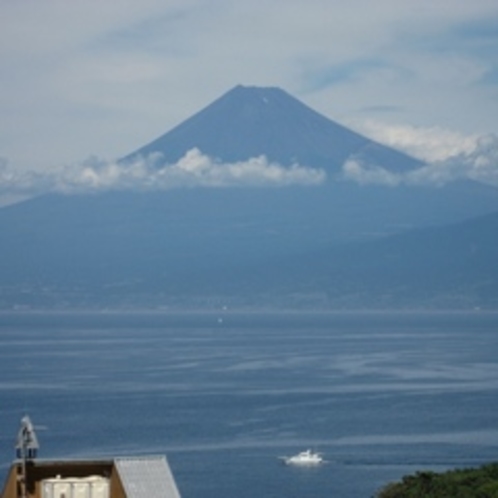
<point x="224" y="395"/>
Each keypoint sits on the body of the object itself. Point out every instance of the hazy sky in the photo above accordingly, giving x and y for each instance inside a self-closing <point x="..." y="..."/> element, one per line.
<point x="103" y="77"/>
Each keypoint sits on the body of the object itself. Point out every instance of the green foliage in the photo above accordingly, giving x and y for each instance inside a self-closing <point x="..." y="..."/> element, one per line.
<point x="460" y="483"/>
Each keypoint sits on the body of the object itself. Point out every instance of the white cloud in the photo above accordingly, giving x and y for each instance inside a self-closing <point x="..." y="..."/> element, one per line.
<point x="479" y="163"/>
<point x="192" y="170"/>
<point x="426" y="143"/>
<point x="366" y="174"/>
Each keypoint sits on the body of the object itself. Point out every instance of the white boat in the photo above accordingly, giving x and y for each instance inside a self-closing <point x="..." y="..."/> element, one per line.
<point x="307" y="457"/>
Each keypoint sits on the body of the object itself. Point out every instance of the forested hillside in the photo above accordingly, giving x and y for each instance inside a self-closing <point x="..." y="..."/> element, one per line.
<point x="460" y="483"/>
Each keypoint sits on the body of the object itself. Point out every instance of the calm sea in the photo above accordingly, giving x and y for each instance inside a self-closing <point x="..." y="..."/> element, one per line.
<point x="223" y="395"/>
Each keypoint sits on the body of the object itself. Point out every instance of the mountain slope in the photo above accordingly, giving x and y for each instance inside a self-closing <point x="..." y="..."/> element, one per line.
<point x="248" y="122"/>
<point x="448" y="267"/>
<point x="113" y="262"/>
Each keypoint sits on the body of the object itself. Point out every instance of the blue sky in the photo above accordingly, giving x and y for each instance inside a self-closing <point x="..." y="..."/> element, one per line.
<point x="103" y="77"/>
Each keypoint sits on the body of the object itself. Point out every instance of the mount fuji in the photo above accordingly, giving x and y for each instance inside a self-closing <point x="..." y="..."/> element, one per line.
<point x="247" y="243"/>
<point x="248" y="122"/>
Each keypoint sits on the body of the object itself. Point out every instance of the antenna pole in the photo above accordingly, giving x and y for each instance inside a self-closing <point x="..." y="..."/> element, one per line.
<point x="27" y="448"/>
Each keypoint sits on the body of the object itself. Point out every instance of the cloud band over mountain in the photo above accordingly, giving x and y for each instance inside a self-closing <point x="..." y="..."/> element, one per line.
<point x="194" y="169"/>
<point x="478" y="162"/>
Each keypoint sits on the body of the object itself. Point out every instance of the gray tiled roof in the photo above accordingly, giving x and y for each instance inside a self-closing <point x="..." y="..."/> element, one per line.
<point x="146" y="477"/>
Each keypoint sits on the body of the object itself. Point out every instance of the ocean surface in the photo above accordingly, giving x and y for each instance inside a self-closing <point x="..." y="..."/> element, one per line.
<point x="224" y="395"/>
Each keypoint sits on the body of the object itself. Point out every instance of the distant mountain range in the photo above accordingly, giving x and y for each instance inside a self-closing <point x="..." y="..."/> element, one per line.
<point x="454" y="266"/>
<point x="336" y="244"/>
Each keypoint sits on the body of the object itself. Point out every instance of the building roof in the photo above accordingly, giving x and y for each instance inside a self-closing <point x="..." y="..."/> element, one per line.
<point x="144" y="477"/>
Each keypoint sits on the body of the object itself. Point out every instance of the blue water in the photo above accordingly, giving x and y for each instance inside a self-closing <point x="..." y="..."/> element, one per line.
<point x="225" y="394"/>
